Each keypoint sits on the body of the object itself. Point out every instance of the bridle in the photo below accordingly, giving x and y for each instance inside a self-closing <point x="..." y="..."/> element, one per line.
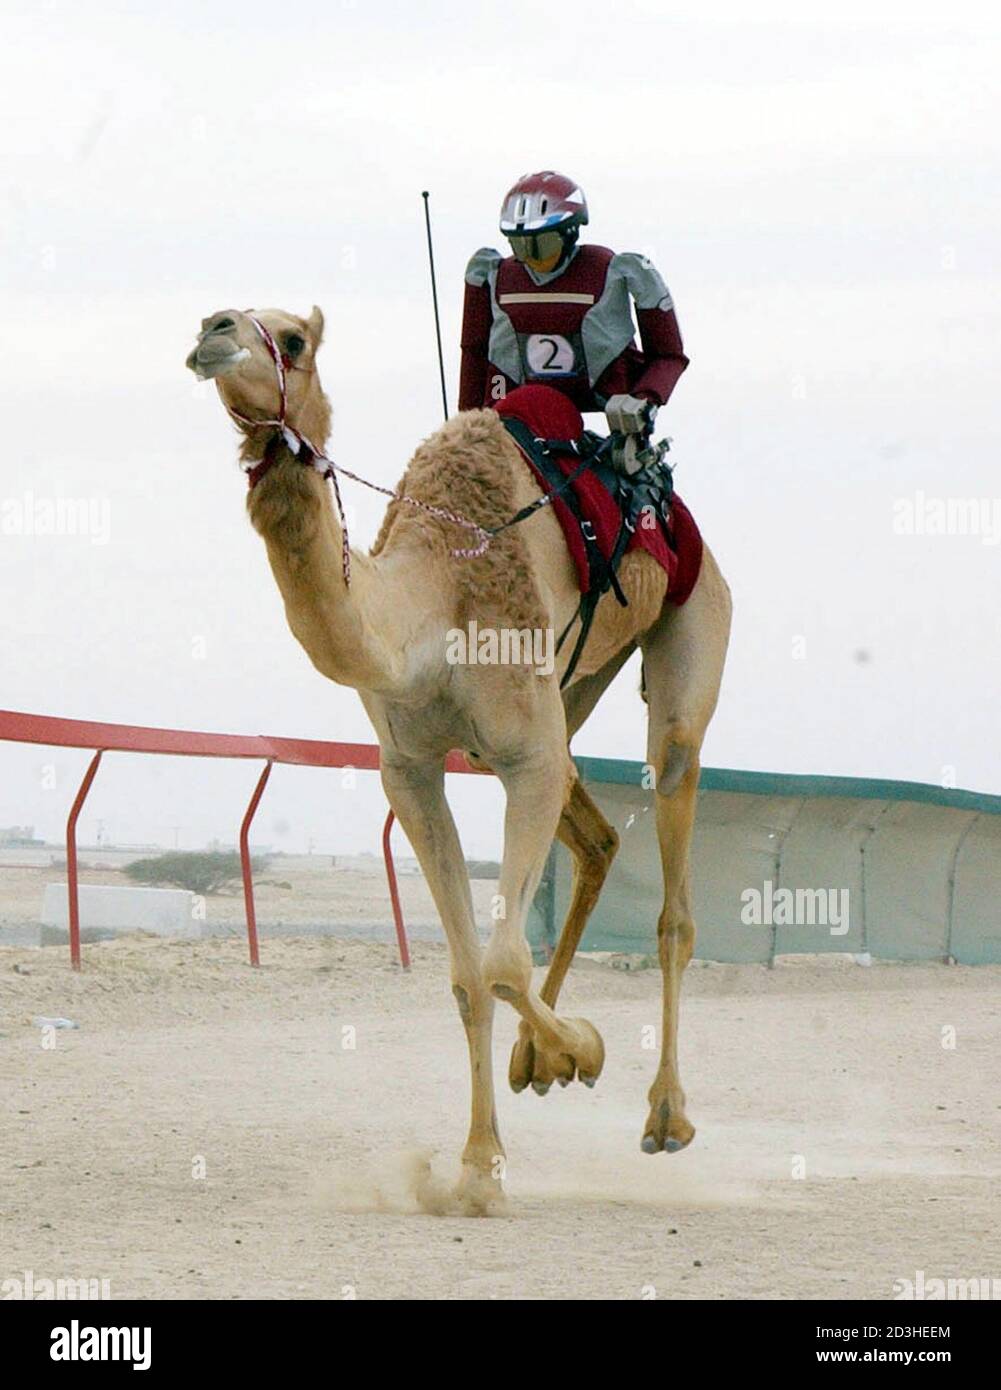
<point x="311" y="457"/>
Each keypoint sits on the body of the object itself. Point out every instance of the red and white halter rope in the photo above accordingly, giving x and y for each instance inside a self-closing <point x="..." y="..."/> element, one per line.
<point x="326" y="467"/>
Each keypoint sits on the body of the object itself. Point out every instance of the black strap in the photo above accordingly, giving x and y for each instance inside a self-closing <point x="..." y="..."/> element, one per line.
<point x="588" y="605"/>
<point x="542" y="453"/>
<point x="539" y="451"/>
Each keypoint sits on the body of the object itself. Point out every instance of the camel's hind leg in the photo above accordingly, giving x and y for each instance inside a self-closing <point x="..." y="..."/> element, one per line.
<point x="592" y="842"/>
<point x="683" y="656"/>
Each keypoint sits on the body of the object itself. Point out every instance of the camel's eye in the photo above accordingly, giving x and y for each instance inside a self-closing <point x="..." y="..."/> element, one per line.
<point x="294" y="344"/>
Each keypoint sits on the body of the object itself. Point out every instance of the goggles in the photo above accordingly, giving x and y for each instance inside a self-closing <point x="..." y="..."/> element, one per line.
<point x="536" y="246"/>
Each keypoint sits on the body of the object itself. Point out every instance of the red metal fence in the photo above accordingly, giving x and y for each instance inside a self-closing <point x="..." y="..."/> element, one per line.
<point x="130" y="738"/>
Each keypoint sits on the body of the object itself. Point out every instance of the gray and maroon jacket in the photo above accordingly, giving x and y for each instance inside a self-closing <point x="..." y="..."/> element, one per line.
<point x="572" y="329"/>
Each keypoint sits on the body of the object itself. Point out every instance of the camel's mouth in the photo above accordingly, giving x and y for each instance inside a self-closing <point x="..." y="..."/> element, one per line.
<point x="215" y="357"/>
<point x="217" y="351"/>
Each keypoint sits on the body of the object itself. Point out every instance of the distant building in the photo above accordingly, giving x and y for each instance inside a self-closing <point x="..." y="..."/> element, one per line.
<point x="19" y="837"/>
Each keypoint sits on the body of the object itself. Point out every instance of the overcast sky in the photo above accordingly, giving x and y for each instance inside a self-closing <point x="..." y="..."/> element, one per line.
<point x="821" y="193"/>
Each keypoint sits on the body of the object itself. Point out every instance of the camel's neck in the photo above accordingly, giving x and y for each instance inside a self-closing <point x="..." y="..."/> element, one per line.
<point x="343" y="629"/>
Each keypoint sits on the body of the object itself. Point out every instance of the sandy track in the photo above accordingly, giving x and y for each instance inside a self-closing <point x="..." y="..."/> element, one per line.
<point x="183" y="1051"/>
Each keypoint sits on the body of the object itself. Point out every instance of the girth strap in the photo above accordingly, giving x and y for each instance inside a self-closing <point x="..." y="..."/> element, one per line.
<point x="602" y="574"/>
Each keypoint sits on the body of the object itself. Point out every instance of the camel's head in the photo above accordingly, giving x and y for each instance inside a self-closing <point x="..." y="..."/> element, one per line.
<point x="232" y="352"/>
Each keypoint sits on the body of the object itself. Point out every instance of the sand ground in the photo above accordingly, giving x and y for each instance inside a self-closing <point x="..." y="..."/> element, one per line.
<point x="186" y="1058"/>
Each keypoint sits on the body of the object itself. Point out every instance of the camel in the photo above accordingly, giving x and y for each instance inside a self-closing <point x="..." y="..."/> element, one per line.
<point x="382" y="628"/>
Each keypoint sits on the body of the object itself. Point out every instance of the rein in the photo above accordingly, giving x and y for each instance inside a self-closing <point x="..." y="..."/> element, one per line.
<point x="311" y="457"/>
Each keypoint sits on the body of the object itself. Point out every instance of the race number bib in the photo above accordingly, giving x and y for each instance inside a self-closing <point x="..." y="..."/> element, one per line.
<point x="550" y="354"/>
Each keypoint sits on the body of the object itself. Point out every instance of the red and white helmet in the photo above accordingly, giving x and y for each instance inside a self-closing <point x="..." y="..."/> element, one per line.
<point x="543" y="202"/>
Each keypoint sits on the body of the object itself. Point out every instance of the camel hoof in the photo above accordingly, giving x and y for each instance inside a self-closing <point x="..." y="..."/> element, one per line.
<point x="592" y="1053"/>
<point x="667" y="1132"/>
<point x="522" y="1066"/>
<point x="533" y="1065"/>
<point x="477" y="1194"/>
<point x="651" y="1145"/>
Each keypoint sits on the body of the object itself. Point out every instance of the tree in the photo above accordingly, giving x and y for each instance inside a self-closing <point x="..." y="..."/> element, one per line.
<point x="204" y="873"/>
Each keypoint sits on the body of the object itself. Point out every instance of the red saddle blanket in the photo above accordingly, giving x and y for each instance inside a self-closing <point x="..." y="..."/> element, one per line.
<point x="550" y="415"/>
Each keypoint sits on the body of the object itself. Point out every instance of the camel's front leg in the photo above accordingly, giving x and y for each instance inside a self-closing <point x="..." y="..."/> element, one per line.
<point x="417" y="796"/>
<point x="562" y="1048"/>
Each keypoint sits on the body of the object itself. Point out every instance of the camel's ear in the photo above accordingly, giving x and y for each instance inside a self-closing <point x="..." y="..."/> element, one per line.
<point x="315" y="322"/>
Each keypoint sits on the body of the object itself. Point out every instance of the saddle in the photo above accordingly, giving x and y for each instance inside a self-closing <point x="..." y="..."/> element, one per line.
<point x="603" y="512"/>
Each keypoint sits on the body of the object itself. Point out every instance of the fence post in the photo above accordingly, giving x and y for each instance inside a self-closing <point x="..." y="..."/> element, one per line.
<point x="72" y="878"/>
<point x="394" y="892"/>
<point x="248" y="878"/>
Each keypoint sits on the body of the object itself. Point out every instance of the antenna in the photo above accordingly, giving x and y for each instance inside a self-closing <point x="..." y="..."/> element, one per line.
<point x="434" y="295"/>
